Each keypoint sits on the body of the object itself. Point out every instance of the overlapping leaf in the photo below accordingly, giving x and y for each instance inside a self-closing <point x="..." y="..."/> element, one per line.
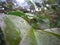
<point x="17" y="30"/>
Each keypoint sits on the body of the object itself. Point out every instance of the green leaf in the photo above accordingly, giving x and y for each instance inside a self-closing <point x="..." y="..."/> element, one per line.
<point x="54" y="30"/>
<point x="40" y="38"/>
<point x="15" y="28"/>
<point x="20" y="14"/>
<point x="11" y="32"/>
<point x="21" y="23"/>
